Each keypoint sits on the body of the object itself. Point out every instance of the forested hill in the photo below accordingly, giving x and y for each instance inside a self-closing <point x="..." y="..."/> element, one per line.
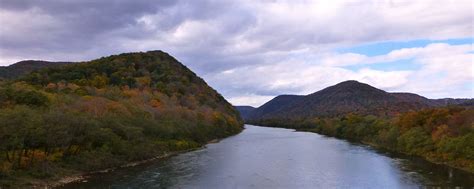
<point x="24" y="67"/>
<point x="103" y="113"/>
<point x="245" y="111"/>
<point x="343" y="98"/>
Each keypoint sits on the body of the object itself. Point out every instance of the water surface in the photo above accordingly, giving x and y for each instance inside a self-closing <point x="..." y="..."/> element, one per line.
<point x="262" y="157"/>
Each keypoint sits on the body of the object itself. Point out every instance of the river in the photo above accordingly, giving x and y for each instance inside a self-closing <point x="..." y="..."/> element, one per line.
<point x="263" y="157"/>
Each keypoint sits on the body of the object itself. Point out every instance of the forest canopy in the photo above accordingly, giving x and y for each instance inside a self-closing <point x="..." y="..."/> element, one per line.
<point x="104" y="113"/>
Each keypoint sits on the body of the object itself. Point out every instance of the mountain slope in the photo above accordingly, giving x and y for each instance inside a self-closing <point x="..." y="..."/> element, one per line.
<point x="275" y="105"/>
<point x="453" y="101"/>
<point x="245" y="111"/>
<point x="104" y="113"/>
<point x="343" y="98"/>
<point x="410" y="97"/>
<point x="24" y="67"/>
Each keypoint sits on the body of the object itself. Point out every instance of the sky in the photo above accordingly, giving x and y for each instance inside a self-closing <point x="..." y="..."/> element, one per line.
<point x="251" y="51"/>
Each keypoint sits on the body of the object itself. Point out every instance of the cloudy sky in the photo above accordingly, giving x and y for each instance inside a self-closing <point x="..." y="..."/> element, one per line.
<point x="251" y="51"/>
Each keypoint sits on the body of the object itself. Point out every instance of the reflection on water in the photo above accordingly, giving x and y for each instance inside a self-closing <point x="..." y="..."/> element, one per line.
<point x="263" y="157"/>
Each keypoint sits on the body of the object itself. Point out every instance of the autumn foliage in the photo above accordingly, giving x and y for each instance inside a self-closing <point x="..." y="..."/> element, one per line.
<point x="104" y="113"/>
<point x="444" y="134"/>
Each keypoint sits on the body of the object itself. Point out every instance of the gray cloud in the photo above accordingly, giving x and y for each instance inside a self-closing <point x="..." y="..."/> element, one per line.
<point x="215" y="37"/>
<point x="69" y="26"/>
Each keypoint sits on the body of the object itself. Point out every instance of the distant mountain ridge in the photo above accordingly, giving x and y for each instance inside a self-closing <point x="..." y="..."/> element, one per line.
<point x="24" y="67"/>
<point x="245" y="111"/>
<point x="343" y="98"/>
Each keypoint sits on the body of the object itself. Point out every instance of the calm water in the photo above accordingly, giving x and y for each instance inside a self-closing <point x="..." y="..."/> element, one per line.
<point x="262" y="157"/>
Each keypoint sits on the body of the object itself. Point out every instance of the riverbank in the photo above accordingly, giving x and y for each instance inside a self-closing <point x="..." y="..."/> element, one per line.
<point x="380" y="147"/>
<point x="84" y="176"/>
<point x="64" y="176"/>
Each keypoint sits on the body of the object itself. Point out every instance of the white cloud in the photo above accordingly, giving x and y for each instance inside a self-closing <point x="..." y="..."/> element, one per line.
<point x="251" y="99"/>
<point x="344" y="59"/>
<point x="255" y="49"/>
<point x="223" y="27"/>
<point x="444" y="71"/>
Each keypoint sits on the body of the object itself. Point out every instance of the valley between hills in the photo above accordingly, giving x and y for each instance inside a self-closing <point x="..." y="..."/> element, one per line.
<point x="439" y="130"/>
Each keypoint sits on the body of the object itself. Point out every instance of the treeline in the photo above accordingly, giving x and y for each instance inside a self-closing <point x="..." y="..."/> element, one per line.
<point x="444" y="135"/>
<point x="105" y="113"/>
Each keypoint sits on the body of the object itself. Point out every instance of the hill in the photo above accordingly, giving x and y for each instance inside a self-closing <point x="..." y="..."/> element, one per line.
<point x="245" y="111"/>
<point x="275" y="105"/>
<point x="105" y="113"/>
<point x="344" y="98"/>
<point x="24" y="67"/>
<point x="454" y="101"/>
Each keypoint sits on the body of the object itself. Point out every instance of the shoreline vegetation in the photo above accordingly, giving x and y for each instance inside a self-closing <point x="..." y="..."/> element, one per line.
<point x="80" y="177"/>
<point x="378" y="147"/>
<point x="89" y="116"/>
<point x="442" y="135"/>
